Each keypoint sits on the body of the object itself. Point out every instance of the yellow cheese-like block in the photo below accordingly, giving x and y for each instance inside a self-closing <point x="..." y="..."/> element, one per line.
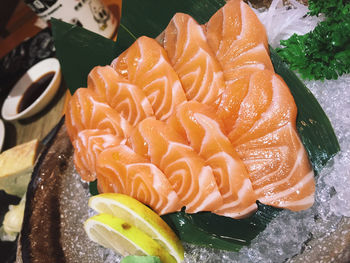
<point x="16" y="167"/>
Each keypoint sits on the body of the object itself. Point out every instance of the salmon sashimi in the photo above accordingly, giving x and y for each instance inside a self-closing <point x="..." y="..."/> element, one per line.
<point x="228" y="109"/>
<point x="193" y="60"/>
<point x="197" y="123"/>
<point x="255" y="56"/>
<point x="127" y="99"/>
<point x="237" y="37"/>
<point x="86" y="111"/>
<point x="242" y="72"/>
<point x="203" y="123"/>
<point x="88" y="145"/>
<point x="146" y="64"/>
<point x="192" y="179"/>
<point x="121" y="170"/>
<point x="264" y="134"/>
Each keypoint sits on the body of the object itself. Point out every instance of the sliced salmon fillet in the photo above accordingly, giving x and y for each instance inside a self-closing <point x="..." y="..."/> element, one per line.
<point x="192" y="179"/>
<point x="121" y="170"/>
<point x="193" y="60"/>
<point x="264" y="134"/>
<point x="241" y="72"/>
<point x="127" y="99"/>
<point x="198" y="124"/>
<point x="237" y="37"/>
<point x="86" y="111"/>
<point x="230" y="103"/>
<point x="201" y="157"/>
<point x="87" y="146"/>
<point x="146" y="64"/>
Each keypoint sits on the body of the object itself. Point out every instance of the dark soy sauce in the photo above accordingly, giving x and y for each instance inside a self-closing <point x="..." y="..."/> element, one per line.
<point x="34" y="91"/>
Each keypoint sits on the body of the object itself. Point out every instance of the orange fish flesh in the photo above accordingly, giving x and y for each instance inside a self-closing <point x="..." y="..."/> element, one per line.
<point x="126" y="98"/>
<point x="192" y="179"/>
<point x="198" y="124"/>
<point x="121" y="170"/>
<point x="146" y="64"/>
<point x="193" y="60"/>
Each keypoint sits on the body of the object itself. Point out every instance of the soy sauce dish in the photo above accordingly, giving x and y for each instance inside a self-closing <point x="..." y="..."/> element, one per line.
<point x="34" y="90"/>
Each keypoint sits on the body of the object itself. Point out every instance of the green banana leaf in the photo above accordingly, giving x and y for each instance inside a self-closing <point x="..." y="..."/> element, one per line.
<point x="80" y="50"/>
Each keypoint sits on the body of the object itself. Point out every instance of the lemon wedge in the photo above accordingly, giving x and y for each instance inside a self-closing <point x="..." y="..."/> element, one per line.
<point x="139" y="215"/>
<point x="117" y="234"/>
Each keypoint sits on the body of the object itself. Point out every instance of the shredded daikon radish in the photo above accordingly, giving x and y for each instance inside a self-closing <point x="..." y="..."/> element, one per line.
<point x="283" y="21"/>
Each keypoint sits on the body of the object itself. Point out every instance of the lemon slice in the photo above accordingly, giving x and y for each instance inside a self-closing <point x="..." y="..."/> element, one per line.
<point x="115" y="233"/>
<point x="139" y="215"/>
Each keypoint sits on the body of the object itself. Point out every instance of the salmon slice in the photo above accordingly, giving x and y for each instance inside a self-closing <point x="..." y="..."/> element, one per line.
<point x="121" y="170"/>
<point x="237" y="37"/>
<point x="146" y="64"/>
<point x="241" y="72"/>
<point x="198" y="124"/>
<point x="86" y="111"/>
<point x="254" y="56"/>
<point x="264" y="134"/>
<point x="127" y="99"/>
<point x="193" y="60"/>
<point x="191" y="178"/>
<point x="88" y="145"/>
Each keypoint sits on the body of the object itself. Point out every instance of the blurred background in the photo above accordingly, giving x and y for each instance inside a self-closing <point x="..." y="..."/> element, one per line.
<point x="18" y="22"/>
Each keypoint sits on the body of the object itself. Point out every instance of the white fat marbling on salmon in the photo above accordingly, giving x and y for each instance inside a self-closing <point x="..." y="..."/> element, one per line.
<point x="259" y="47"/>
<point x="205" y="178"/>
<point x="88" y="145"/>
<point x="191" y="179"/>
<point x="158" y="92"/>
<point x="131" y="174"/>
<point x="146" y="65"/>
<point x="286" y="180"/>
<point x="207" y="139"/>
<point x="199" y="71"/>
<point x="269" y="144"/>
<point x="86" y="111"/>
<point x="291" y="190"/>
<point x="305" y="202"/>
<point x="123" y="96"/>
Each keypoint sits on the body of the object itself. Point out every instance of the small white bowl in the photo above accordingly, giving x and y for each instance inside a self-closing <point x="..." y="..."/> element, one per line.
<point x="2" y="134"/>
<point x="9" y="109"/>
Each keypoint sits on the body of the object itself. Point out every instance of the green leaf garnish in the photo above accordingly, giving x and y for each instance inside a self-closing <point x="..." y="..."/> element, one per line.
<point x="323" y="53"/>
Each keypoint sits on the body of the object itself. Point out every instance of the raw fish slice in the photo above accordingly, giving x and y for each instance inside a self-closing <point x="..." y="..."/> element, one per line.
<point x="264" y="135"/>
<point x="121" y="170"/>
<point x="266" y="105"/>
<point x="86" y="111"/>
<point x="228" y="109"/>
<point x="191" y="179"/>
<point x="129" y="100"/>
<point x="242" y="72"/>
<point x="281" y="174"/>
<point x="254" y="56"/>
<point x="237" y="37"/>
<point x="198" y="124"/>
<point x="146" y="64"/>
<point x="88" y="145"/>
<point x="233" y="101"/>
<point x="193" y="60"/>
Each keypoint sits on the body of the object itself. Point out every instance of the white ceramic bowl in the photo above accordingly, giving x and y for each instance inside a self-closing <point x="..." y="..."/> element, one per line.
<point x="9" y="109"/>
<point x="2" y="134"/>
